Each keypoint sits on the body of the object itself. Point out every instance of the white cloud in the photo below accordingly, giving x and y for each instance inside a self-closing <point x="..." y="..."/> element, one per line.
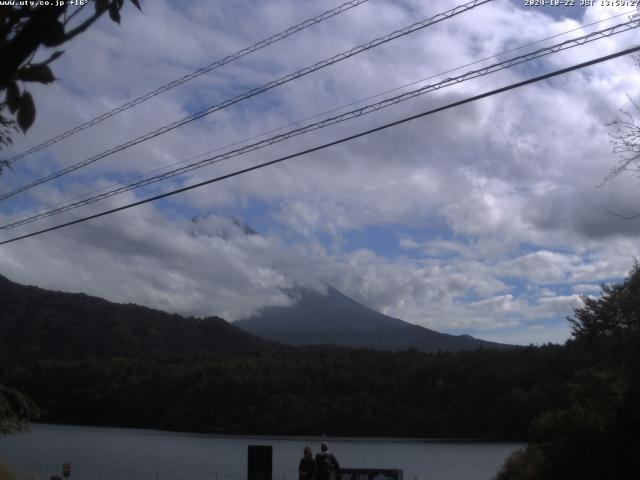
<point x="585" y="288"/>
<point x="482" y="198"/>
<point x="542" y="266"/>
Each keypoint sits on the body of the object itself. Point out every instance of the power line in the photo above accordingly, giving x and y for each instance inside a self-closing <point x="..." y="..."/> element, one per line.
<point x="605" y="33"/>
<point x="335" y="142"/>
<point x="30" y="215"/>
<point x="190" y="76"/>
<point x="337" y="119"/>
<point x="268" y="86"/>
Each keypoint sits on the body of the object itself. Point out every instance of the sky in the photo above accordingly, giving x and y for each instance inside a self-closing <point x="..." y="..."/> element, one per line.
<point x="488" y="219"/>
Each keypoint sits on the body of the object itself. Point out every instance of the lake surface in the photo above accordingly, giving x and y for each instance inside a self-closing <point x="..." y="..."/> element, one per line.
<point x="97" y="453"/>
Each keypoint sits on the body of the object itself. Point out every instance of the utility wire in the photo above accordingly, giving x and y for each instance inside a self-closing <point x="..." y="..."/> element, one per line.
<point x="268" y="86"/>
<point x="190" y="76"/>
<point x="335" y="142"/>
<point x="298" y="122"/>
<point x="605" y="33"/>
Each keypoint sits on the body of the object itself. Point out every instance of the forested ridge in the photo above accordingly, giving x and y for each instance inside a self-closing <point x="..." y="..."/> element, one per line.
<point x="41" y="324"/>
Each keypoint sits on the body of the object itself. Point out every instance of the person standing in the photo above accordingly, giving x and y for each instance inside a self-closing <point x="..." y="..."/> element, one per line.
<point x="307" y="467"/>
<point x="327" y="466"/>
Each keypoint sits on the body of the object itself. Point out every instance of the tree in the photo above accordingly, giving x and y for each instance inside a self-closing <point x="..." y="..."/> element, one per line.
<point x="597" y="434"/>
<point x="609" y="327"/>
<point x="16" y="410"/>
<point x="23" y="30"/>
<point x="625" y="138"/>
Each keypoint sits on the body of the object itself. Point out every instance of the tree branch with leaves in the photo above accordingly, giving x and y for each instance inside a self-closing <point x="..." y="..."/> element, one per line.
<point x="23" y="30"/>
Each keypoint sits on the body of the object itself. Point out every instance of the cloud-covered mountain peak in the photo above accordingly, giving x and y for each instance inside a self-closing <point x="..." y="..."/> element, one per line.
<point x="331" y="317"/>
<point x="226" y="227"/>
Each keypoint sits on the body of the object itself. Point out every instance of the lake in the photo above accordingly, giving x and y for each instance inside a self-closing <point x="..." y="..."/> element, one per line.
<point x="97" y="453"/>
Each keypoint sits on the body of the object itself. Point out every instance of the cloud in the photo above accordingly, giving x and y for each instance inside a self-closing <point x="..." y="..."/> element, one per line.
<point x="540" y="267"/>
<point x="483" y="199"/>
<point x="585" y="288"/>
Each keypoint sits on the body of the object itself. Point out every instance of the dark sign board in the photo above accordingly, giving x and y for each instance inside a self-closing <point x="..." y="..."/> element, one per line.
<point x="370" y="474"/>
<point x="259" y="462"/>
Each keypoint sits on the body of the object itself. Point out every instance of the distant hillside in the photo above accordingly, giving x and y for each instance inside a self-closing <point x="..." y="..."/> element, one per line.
<point x="334" y="318"/>
<point x="37" y="323"/>
<point x="60" y="349"/>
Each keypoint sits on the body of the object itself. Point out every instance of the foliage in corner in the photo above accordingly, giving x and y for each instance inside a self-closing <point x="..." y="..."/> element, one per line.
<point x="16" y="411"/>
<point x="597" y="435"/>
<point x="23" y="30"/>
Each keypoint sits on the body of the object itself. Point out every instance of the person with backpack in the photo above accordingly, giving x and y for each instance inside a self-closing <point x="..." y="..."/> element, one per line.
<point x="327" y="466"/>
<point x="307" y="467"/>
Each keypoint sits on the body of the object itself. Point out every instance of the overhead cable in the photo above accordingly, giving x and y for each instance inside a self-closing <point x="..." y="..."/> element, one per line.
<point x="333" y="143"/>
<point x="317" y="115"/>
<point x="190" y="76"/>
<point x="364" y="110"/>
<point x="253" y="92"/>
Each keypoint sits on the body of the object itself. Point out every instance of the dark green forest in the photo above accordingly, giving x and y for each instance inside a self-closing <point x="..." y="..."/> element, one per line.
<point x="312" y="390"/>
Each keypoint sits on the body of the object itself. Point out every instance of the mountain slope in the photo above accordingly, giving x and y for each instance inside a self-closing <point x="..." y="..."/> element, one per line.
<point x="337" y="319"/>
<point x="37" y="323"/>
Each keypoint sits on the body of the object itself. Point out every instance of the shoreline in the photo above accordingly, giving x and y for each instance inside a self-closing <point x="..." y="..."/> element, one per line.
<point x="310" y="437"/>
